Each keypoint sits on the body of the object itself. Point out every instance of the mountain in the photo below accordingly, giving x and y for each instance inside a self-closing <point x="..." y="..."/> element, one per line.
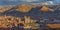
<point x="25" y="8"/>
<point x="35" y="12"/>
<point x="43" y="14"/>
<point x="5" y="8"/>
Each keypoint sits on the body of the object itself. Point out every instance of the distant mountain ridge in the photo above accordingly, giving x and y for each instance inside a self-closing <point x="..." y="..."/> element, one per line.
<point x="28" y="7"/>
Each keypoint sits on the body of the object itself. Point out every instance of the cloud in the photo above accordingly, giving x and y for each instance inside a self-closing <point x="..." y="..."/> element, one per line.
<point x="29" y="0"/>
<point x="24" y="0"/>
<point x="48" y="3"/>
<point x="56" y="1"/>
<point x="13" y="0"/>
<point x="10" y="0"/>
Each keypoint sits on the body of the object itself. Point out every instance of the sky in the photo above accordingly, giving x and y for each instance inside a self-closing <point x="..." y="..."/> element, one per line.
<point x="16" y="2"/>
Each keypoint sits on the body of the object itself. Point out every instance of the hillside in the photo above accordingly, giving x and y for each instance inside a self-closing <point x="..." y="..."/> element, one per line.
<point x="5" y="8"/>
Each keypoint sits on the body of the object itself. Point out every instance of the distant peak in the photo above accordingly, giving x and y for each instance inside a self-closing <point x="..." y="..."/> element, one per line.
<point x="25" y="7"/>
